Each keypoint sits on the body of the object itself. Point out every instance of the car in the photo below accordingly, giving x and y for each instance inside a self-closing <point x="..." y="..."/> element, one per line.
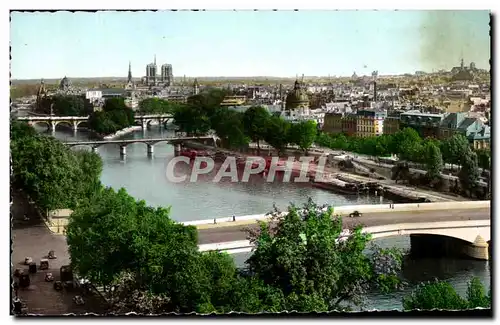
<point x="355" y="214"/>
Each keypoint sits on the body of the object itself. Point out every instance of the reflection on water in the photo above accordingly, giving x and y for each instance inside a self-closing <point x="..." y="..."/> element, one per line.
<point x="456" y="271"/>
<point x="145" y="178"/>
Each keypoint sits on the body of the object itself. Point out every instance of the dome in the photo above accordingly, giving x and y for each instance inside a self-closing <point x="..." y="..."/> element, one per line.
<point x="297" y="97"/>
<point x="65" y="83"/>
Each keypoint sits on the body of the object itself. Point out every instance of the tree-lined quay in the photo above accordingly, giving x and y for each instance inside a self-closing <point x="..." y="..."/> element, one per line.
<point x="154" y="263"/>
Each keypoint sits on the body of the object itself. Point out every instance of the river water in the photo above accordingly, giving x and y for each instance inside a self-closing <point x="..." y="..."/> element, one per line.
<point x="144" y="178"/>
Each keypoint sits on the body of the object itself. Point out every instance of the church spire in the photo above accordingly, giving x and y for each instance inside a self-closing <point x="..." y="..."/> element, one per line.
<point x="129" y="79"/>
<point x="155" y="61"/>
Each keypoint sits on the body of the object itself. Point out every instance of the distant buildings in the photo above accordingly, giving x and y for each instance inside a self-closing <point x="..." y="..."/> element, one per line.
<point x="472" y="128"/>
<point x="463" y="73"/>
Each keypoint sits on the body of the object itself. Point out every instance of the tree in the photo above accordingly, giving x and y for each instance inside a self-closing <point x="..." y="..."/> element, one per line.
<point x="402" y="139"/>
<point x="192" y="119"/>
<point x="484" y="159"/>
<point x="114" y="116"/>
<point x="434" y="160"/>
<point x="228" y="125"/>
<point x="255" y="122"/>
<point x="59" y="178"/>
<point x="114" y="104"/>
<point x="303" y="134"/>
<point x="277" y="133"/>
<point x="441" y="295"/>
<point x="156" y="106"/>
<point x="208" y="101"/>
<point x="71" y="106"/>
<point x="90" y="171"/>
<point x="454" y="148"/>
<point x="306" y="257"/>
<point x="411" y="151"/>
<point x="469" y="173"/>
<point x="142" y="253"/>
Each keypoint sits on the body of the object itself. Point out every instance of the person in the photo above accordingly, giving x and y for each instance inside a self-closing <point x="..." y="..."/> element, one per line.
<point x="234" y="218"/>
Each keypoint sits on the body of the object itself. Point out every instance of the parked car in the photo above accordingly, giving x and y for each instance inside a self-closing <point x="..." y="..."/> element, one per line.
<point x="355" y="214"/>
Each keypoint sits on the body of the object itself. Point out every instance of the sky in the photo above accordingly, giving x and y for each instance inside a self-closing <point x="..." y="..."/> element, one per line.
<point x="246" y="43"/>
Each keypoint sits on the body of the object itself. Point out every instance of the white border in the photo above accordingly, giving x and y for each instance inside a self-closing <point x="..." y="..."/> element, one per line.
<point x="181" y="4"/>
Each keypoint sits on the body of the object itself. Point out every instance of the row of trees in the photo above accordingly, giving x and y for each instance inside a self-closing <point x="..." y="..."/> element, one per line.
<point x="114" y="116"/>
<point x="68" y="105"/>
<point x="156" y="106"/>
<point x="429" y="152"/>
<point x="148" y="263"/>
<point x="236" y="129"/>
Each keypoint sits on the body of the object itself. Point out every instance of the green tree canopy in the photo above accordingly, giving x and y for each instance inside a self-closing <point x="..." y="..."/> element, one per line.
<point x="469" y="173"/>
<point x="441" y="295"/>
<point x="434" y="160"/>
<point x="277" y="133"/>
<point x="114" y="116"/>
<point x="156" y="106"/>
<point x="454" y="149"/>
<point x="228" y="125"/>
<point x="192" y="119"/>
<point x="159" y="255"/>
<point x="303" y="134"/>
<point x="306" y="256"/>
<point x="71" y="105"/>
<point x="484" y="158"/>
<point x="53" y="175"/>
<point x="402" y="138"/>
<point x="255" y="122"/>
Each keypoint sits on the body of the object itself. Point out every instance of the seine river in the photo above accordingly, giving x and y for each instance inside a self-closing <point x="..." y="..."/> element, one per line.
<point x="144" y="178"/>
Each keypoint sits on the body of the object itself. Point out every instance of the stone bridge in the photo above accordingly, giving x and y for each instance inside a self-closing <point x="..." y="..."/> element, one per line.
<point x="149" y="142"/>
<point x="75" y="121"/>
<point x="461" y="228"/>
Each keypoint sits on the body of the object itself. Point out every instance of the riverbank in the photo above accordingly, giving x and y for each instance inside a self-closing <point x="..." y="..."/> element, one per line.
<point x="112" y="136"/>
<point x="400" y="193"/>
<point x="121" y="132"/>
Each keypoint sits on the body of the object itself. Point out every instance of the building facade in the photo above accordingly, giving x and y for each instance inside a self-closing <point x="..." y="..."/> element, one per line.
<point x="151" y="71"/>
<point x="391" y="122"/>
<point x="426" y="125"/>
<point x="370" y="123"/>
<point x="167" y="76"/>
<point x="333" y="123"/>
<point x="349" y="124"/>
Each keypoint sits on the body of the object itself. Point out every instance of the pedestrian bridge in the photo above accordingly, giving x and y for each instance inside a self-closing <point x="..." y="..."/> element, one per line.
<point x="75" y="121"/>
<point x="149" y="142"/>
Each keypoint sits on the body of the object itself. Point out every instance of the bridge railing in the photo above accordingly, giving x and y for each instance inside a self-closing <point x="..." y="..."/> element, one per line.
<point x="240" y="246"/>
<point x="68" y="117"/>
<point x="343" y="210"/>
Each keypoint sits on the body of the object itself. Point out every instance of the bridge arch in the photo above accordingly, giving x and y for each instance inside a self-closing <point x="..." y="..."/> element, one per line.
<point x="35" y="122"/>
<point x="67" y="123"/>
<point x="85" y="123"/>
<point x="463" y="230"/>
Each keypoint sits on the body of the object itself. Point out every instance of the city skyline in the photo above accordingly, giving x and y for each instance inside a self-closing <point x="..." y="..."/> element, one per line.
<point x="246" y="43"/>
